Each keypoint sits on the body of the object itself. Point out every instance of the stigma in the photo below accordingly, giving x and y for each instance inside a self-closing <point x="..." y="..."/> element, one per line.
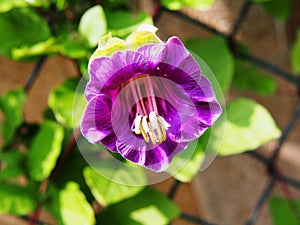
<point x="152" y="127"/>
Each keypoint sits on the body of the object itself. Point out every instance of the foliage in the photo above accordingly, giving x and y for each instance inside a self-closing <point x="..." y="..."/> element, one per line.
<point x="72" y="28"/>
<point x="283" y="210"/>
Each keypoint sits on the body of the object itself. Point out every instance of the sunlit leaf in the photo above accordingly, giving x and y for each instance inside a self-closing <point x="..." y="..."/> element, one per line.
<point x="122" y="23"/>
<point x="222" y="66"/>
<point x="61" y="102"/>
<point x="283" y="211"/>
<point x="6" y="5"/>
<point x="16" y="200"/>
<point x="247" y="77"/>
<point x="148" y="207"/>
<point x="187" y="164"/>
<point x="11" y="164"/>
<point x="93" y="25"/>
<point x="69" y="206"/>
<point x="45" y="150"/>
<point x="107" y="191"/>
<point x="38" y="49"/>
<point x="73" y="49"/>
<point x="248" y="126"/>
<point x="11" y="104"/>
<point x="197" y="4"/>
<point x="21" y="26"/>
<point x="295" y="55"/>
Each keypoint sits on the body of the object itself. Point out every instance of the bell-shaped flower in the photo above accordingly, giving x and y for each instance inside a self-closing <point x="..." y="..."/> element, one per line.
<point x="147" y="100"/>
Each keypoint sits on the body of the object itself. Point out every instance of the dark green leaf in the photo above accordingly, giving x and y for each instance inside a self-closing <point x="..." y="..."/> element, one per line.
<point x="247" y="77"/>
<point x="69" y="206"/>
<point x="148" y="207"/>
<point x="295" y="54"/>
<point x="16" y="200"/>
<point x="45" y="150"/>
<point x="11" y="104"/>
<point x="283" y="211"/>
<point x="61" y="102"/>
<point x="69" y="172"/>
<point x="197" y="4"/>
<point x="122" y="23"/>
<point x="107" y="191"/>
<point x="21" y="27"/>
<point x="216" y="55"/>
<point x="248" y="126"/>
<point x="261" y="0"/>
<point x="93" y="25"/>
<point x="278" y="8"/>
<point x="11" y="164"/>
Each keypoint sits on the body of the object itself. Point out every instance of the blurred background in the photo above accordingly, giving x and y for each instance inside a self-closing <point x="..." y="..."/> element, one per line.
<point x="228" y="192"/>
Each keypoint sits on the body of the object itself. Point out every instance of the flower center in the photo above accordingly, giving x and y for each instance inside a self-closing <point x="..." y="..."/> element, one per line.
<point x="147" y="121"/>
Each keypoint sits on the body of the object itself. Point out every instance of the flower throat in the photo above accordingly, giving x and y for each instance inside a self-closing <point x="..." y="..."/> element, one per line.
<point x="147" y="122"/>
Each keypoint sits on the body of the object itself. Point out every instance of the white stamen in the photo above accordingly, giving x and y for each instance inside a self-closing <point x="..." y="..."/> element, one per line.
<point x="137" y="123"/>
<point x="156" y="129"/>
<point x="145" y="124"/>
<point x="165" y="125"/>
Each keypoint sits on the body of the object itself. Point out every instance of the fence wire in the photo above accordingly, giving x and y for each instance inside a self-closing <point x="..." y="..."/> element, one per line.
<point x="275" y="175"/>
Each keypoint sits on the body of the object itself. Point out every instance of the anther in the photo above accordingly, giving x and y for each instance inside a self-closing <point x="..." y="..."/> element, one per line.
<point x="152" y="127"/>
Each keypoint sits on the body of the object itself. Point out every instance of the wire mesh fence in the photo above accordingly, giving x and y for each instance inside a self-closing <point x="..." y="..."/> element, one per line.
<point x="275" y="176"/>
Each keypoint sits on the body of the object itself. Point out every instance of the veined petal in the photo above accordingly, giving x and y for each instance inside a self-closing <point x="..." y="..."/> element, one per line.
<point x="96" y="122"/>
<point x="157" y="158"/>
<point x="111" y="72"/>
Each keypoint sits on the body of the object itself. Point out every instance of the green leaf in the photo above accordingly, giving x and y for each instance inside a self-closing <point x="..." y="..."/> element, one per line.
<point x="248" y="126"/>
<point x="247" y="77"/>
<point x="45" y="150"/>
<point x="107" y="191"/>
<point x="69" y="206"/>
<point x="195" y="4"/>
<point x="93" y="25"/>
<point x="73" y="49"/>
<point x="222" y="66"/>
<point x="295" y="54"/>
<point x="11" y="104"/>
<point x="126" y="173"/>
<point x="29" y="52"/>
<point x="61" y="101"/>
<point x="16" y="200"/>
<point x="11" y="164"/>
<point x="261" y="0"/>
<point x="186" y="165"/>
<point x="123" y="23"/>
<point x="21" y="26"/>
<point x="278" y="8"/>
<point x="6" y="5"/>
<point x="148" y="207"/>
<point x="283" y="212"/>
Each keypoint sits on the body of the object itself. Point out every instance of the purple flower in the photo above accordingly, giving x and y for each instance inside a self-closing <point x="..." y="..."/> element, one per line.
<point x="147" y="103"/>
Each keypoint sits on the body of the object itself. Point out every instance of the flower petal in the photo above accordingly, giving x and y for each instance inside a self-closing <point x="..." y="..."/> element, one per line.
<point x="96" y="122"/>
<point x="157" y="158"/>
<point x="110" y="72"/>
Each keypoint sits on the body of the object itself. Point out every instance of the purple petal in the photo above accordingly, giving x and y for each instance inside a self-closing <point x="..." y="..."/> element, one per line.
<point x="102" y="71"/>
<point x="96" y="122"/>
<point x="172" y="58"/>
<point x="157" y="158"/>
